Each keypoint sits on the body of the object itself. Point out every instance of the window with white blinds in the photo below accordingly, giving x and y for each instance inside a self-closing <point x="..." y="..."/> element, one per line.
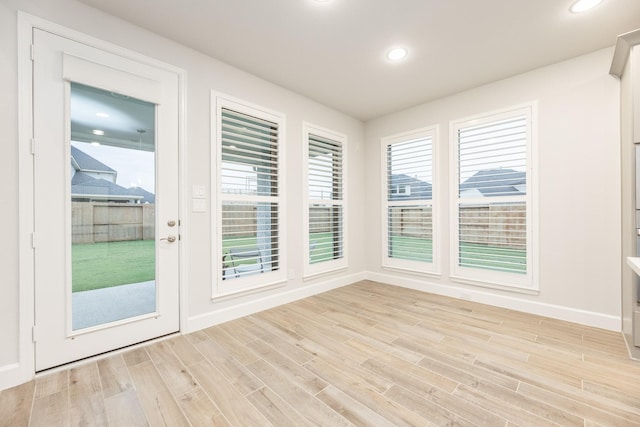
<point x="493" y="224"/>
<point x="408" y="206"/>
<point x="325" y="222"/>
<point x="250" y="205"/>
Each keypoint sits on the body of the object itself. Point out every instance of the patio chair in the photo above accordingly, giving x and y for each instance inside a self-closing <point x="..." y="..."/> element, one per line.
<point x="245" y="261"/>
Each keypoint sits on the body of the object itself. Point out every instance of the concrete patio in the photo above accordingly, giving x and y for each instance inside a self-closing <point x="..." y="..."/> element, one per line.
<point x="100" y="306"/>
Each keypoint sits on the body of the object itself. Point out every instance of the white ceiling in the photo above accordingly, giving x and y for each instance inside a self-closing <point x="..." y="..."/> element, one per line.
<point x="334" y="53"/>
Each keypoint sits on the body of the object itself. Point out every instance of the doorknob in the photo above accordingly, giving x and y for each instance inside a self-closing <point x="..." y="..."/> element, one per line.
<point x="169" y="239"/>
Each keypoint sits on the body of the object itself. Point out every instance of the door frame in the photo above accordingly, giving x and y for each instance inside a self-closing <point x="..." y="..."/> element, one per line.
<point x="25" y="369"/>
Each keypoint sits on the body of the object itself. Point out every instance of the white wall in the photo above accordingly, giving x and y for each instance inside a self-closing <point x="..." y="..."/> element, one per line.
<point x="203" y="75"/>
<point x="579" y="187"/>
<point x="9" y="194"/>
<point x="579" y="178"/>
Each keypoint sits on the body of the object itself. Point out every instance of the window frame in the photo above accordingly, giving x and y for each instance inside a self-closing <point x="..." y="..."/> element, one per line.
<point x="312" y="270"/>
<point x="256" y="282"/>
<point x="523" y="283"/>
<point x="388" y="263"/>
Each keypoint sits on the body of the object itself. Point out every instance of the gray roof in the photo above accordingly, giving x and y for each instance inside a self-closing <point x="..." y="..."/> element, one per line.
<point x="420" y="190"/>
<point x="87" y="163"/>
<point x="497" y="182"/>
<point x="83" y="184"/>
<point x="147" y="197"/>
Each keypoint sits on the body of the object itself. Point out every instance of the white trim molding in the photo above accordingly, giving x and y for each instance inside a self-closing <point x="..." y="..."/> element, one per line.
<point x="24" y="368"/>
<point x="477" y="133"/>
<point x="624" y="42"/>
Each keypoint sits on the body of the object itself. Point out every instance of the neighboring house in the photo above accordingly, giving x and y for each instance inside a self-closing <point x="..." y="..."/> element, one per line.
<point x="494" y="182"/>
<point x="147" y="197"/>
<point x="84" y="163"/>
<point x="93" y="181"/>
<point x="405" y="187"/>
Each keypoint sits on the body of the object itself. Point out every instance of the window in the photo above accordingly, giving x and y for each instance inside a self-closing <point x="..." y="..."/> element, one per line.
<point x="325" y="208"/>
<point x="492" y="233"/>
<point x="408" y="206"/>
<point x="249" y="208"/>
<point x="401" y="189"/>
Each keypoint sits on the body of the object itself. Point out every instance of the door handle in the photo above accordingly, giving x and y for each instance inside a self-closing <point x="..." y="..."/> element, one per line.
<point x="169" y="239"/>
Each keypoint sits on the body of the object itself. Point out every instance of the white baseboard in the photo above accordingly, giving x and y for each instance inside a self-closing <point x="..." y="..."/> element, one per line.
<point x="589" y="318"/>
<point x="627" y="325"/>
<point x="12" y="375"/>
<point x="247" y="308"/>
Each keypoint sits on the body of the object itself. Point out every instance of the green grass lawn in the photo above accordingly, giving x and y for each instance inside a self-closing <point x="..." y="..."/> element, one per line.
<point x="102" y="265"/>
<point x="471" y="255"/>
<point x="493" y="258"/>
<point x="417" y="249"/>
<point x="321" y="247"/>
<point x="320" y="242"/>
<point x="411" y="248"/>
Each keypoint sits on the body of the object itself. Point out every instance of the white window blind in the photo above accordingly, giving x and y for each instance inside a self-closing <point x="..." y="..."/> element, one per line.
<point x="325" y="200"/>
<point x="409" y="201"/>
<point x="249" y="195"/>
<point x="493" y="200"/>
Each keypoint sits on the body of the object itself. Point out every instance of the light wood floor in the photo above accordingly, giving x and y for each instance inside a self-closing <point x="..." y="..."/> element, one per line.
<point x="366" y="354"/>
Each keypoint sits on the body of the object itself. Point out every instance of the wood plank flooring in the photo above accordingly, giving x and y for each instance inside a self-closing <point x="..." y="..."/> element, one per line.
<point x="367" y="354"/>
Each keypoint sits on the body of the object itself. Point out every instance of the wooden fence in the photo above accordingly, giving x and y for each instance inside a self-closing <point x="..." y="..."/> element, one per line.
<point x="495" y="225"/>
<point x="94" y="222"/>
<point x="242" y="219"/>
<point x="498" y="225"/>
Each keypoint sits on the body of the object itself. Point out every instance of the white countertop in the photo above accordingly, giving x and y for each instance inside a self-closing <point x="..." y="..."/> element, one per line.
<point x="634" y="263"/>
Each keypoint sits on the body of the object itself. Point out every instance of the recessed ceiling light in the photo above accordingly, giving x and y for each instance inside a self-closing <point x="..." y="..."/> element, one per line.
<point x="397" y="54"/>
<point x="97" y="132"/>
<point x="584" y="5"/>
<point x="95" y="143"/>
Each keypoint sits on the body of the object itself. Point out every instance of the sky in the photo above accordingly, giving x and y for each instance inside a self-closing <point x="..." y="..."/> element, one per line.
<point x="135" y="168"/>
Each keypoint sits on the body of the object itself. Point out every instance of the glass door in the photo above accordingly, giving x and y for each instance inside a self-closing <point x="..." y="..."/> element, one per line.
<point x="106" y="201"/>
<point x="112" y="194"/>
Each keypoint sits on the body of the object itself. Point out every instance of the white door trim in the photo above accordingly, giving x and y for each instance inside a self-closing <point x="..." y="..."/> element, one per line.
<point x="24" y="369"/>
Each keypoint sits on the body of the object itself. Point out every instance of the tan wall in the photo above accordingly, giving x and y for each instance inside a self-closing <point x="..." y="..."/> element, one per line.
<point x="94" y="222"/>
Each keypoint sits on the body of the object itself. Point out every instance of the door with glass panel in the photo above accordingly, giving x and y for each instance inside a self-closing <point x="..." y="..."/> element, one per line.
<point x="106" y="200"/>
